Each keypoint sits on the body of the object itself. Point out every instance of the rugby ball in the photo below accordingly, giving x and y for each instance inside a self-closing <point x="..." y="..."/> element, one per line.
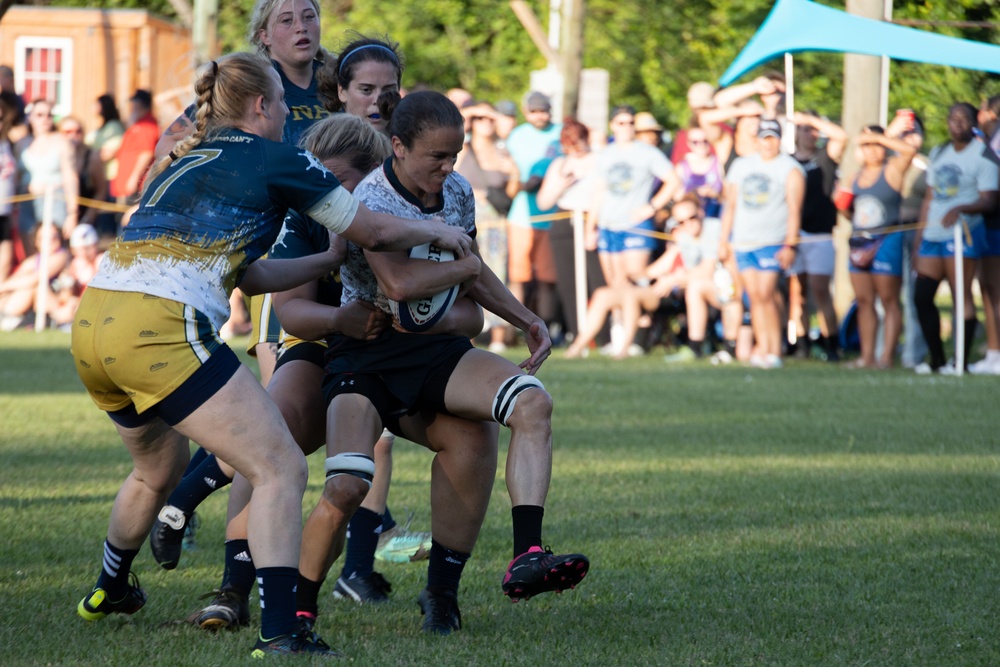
<point x="420" y="315"/>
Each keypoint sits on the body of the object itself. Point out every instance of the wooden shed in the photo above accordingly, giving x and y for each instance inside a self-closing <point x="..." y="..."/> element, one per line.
<point x="73" y="55"/>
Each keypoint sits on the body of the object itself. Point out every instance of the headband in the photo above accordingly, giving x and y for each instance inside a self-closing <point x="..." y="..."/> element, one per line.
<point x="343" y="59"/>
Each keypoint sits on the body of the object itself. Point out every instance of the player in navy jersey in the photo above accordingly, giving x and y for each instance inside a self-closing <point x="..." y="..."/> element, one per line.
<point x="366" y="68"/>
<point x="376" y="383"/>
<point x="145" y="339"/>
<point x="287" y="32"/>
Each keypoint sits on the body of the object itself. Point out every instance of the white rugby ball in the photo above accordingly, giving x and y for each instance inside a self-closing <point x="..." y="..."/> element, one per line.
<point x="419" y="315"/>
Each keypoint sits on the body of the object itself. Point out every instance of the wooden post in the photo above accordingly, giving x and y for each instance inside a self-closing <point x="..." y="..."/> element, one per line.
<point x="862" y="78"/>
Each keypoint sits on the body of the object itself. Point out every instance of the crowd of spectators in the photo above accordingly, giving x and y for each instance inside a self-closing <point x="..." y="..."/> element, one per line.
<point x="763" y="292"/>
<point x="770" y="205"/>
<point x="52" y="169"/>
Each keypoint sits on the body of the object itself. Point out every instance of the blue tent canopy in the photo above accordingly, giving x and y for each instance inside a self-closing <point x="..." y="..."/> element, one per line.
<point x="801" y="25"/>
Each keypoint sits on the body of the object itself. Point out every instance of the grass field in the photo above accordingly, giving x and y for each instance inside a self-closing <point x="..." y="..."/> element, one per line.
<point x="808" y="516"/>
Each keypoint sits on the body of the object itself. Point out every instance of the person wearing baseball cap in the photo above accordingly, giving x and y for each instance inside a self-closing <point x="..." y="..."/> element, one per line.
<point x="506" y="119"/>
<point x="532" y="146"/>
<point x="761" y="215"/>
<point x="769" y="128"/>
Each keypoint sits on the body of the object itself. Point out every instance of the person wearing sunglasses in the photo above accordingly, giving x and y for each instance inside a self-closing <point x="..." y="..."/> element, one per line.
<point x="620" y="220"/>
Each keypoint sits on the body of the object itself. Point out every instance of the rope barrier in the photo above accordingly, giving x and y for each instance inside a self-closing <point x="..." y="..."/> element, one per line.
<point x="86" y="202"/>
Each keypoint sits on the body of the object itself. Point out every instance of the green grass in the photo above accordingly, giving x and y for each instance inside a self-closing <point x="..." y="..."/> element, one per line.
<point x="808" y="516"/>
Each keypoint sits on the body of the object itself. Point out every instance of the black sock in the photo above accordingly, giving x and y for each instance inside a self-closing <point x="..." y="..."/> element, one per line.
<point x="444" y="571"/>
<point x="240" y="572"/>
<point x="527" y="521"/>
<point x="307" y="596"/>
<point x="200" y="484"/>
<point x="114" y="575"/>
<point x="362" y="539"/>
<point x="730" y="347"/>
<point x="276" y="587"/>
<point x="199" y="455"/>
<point x="970" y="338"/>
<point x="388" y="523"/>
<point x="924" y="290"/>
<point x="696" y="346"/>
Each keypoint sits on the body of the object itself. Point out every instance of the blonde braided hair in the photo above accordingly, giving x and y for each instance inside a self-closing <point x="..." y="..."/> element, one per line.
<point x="224" y="89"/>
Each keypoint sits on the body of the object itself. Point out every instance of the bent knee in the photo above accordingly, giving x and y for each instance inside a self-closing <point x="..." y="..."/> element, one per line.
<point x="345" y="491"/>
<point x="533" y="408"/>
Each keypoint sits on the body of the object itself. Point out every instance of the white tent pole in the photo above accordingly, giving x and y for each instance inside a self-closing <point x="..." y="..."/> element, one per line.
<point x="42" y="293"/>
<point x="789" y="129"/>
<point x="959" y="299"/>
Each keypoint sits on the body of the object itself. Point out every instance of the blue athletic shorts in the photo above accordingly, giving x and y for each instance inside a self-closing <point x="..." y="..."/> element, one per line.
<point x="947" y="248"/>
<point x="888" y="258"/>
<point x="764" y="258"/>
<point x="615" y="242"/>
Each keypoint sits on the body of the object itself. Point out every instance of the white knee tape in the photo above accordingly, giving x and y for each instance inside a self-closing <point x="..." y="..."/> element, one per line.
<point x="503" y="402"/>
<point x="351" y="463"/>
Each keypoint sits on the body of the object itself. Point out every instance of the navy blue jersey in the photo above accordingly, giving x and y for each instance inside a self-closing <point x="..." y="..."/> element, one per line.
<point x="304" y="107"/>
<point x="304" y="236"/>
<point x="211" y="213"/>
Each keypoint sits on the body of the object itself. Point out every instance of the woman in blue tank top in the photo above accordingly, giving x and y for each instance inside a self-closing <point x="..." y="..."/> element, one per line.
<point x="877" y="252"/>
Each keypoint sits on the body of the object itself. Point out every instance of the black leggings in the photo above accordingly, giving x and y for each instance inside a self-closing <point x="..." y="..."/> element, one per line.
<point x="924" y="290"/>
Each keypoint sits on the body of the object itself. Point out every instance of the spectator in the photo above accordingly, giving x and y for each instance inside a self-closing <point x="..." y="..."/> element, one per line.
<point x="710" y="284"/>
<point x="49" y="163"/>
<point x="700" y="172"/>
<point x="135" y="155"/>
<point x="89" y="169"/>
<point x="649" y="131"/>
<point x="18" y="292"/>
<point x="568" y="184"/>
<point x="761" y="211"/>
<point x="622" y="210"/>
<point x="701" y="102"/>
<point x="69" y="286"/>
<point x="770" y="89"/>
<point x="877" y="258"/>
<point x="989" y="264"/>
<point x="686" y="256"/>
<point x="532" y="146"/>
<point x="813" y="267"/>
<point x="106" y="140"/>
<point x="7" y="86"/>
<point x="8" y="187"/>
<point x="962" y="185"/>
<point x="746" y="117"/>
<point x="505" y="121"/>
<point x="487" y="167"/>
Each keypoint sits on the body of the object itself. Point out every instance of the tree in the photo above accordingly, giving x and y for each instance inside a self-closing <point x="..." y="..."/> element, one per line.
<point x="654" y="49"/>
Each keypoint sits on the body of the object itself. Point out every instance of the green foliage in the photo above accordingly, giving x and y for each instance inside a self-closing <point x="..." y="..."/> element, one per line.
<point x="653" y="49"/>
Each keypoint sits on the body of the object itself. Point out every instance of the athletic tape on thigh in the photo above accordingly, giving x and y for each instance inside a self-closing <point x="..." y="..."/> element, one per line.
<point x="351" y="463"/>
<point x="503" y="402"/>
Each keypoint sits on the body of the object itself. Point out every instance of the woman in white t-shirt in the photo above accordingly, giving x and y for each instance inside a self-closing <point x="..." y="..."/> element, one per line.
<point x="962" y="185"/>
